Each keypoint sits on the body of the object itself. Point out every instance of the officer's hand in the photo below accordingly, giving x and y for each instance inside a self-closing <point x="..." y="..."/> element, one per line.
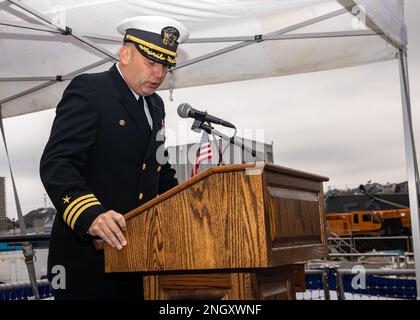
<point x="108" y="226"/>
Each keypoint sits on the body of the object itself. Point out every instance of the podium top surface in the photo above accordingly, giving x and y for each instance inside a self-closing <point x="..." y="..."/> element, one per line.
<point x="255" y="168"/>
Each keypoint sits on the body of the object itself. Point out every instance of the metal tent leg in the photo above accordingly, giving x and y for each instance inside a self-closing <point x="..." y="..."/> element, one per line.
<point x="26" y="246"/>
<point x="411" y="163"/>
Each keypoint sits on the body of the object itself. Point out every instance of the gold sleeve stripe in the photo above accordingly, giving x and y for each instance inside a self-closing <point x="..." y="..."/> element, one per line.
<point x="74" y="202"/>
<point x="90" y="204"/>
<point x="76" y="207"/>
<point x="150" y="45"/>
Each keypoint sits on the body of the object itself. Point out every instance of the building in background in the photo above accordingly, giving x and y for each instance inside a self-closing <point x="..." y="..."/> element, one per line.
<point x="182" y="157"/>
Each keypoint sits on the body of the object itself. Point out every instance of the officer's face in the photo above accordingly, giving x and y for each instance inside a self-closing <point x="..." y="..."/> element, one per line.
<point x="145" y="75"/>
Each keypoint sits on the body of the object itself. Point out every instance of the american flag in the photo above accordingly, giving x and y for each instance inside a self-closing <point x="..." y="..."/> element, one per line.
<point x="203" y="153"/>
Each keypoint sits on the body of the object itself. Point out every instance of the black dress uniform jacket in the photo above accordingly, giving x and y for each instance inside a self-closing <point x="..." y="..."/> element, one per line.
<point x="101" y="155"/>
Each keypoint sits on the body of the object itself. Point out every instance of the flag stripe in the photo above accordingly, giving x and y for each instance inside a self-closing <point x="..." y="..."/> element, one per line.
<point x="204" y="152"/>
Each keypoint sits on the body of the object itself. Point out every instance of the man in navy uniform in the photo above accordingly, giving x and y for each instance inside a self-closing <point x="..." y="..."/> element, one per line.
<point x="101" y="159"/>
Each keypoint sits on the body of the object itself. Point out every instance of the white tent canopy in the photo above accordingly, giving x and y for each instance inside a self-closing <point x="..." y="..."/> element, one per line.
<point x="43" y="44"/>
<point x="319" y="44"/>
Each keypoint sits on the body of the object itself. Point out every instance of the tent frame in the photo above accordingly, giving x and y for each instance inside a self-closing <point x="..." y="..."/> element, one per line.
<point x="411" y="158"/>
<point x="411" y="162"/>
<point x="58" y="78"/>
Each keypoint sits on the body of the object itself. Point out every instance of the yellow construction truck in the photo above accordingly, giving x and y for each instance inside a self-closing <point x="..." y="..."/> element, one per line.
<point x="370" y="223"/>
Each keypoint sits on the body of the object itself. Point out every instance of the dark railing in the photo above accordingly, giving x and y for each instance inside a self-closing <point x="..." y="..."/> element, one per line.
<point x="23" y="290"/>
<point x="38" y="289"/>
<point x="339" y="284"/>
<point x="25" y="238"/>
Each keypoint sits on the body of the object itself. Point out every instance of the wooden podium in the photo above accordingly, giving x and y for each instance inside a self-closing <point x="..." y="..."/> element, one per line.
<point x="231" y="232"/>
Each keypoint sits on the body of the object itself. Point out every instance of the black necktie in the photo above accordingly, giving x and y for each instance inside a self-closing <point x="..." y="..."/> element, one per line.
<point x="145" y="122"/>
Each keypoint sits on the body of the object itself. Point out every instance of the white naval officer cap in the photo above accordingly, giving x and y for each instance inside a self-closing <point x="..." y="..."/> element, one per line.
<point x="157" y="38"/>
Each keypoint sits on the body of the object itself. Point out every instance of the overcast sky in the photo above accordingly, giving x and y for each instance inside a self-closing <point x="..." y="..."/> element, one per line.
<point x="344" y="124"/>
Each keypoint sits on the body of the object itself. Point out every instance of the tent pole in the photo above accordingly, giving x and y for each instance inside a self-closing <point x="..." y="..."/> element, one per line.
<point x="117" y="40"/>
<point x="29" y="26"/>
<point x="411" y="162"/>
<point x="292" y="36"/>
<point x="21" y="79"/>
<point x="68" y="76"/>
<point x="42" y="28"/>
<point x="271" y="34"/>
<point x="27" y="248"/>
<point x="65" y="31"/>
<point x="416" y="166"/>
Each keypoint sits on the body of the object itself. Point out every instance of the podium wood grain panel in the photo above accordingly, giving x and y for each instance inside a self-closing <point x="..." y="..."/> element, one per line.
<point x="295" y="215"/>
<point x="206" y="286"/>
<point x="262" y="284"/>
<point x="231" y="232"/>
<point x="216" y="223"/>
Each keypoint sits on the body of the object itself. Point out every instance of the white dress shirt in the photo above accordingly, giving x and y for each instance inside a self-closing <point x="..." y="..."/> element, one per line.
<point x="146" y="107"/>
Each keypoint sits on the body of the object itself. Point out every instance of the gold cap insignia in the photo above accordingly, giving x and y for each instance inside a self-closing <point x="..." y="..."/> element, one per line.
<point x="170" y="35"/>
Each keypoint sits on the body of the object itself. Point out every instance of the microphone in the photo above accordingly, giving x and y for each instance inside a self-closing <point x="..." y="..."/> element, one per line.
<point x="186" y="111"/>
